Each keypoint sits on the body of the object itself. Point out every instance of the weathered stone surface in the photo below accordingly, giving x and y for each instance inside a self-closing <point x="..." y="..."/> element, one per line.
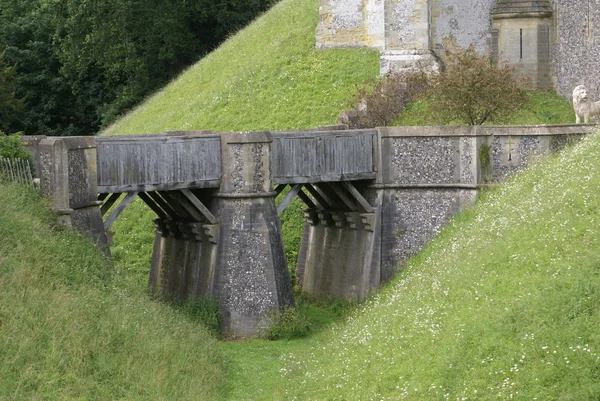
<point x="465" y="22"/>
<point x="560" y="48"/>
<point x="351" y="23"/>
<point x="69" y="179"/>
<point x="339" y="255"/>
<point x="251" y="274"/>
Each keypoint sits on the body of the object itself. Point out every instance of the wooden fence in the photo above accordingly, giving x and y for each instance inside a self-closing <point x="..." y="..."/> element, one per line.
<point x="17" y="171"/>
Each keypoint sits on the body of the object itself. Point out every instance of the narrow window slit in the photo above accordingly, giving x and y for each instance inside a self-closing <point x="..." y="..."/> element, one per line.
<point x="521" y="45"/>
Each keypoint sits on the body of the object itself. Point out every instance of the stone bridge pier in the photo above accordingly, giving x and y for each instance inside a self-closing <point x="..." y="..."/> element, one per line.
<point x="231" y="248"/>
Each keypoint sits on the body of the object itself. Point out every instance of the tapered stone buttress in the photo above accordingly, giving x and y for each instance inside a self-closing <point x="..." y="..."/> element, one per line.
<point x="238" y="258"/>
<point x="251" y="275"/>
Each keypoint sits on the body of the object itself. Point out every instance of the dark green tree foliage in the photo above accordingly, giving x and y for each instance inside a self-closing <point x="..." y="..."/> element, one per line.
<point x="10" y="106"/>
<point x="26" y="40"/>
<point x="81" y="63"/>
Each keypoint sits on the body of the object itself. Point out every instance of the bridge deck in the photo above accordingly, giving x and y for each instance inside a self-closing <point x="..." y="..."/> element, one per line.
<point x="311" y="157"/>
<point x="158" y="162"/>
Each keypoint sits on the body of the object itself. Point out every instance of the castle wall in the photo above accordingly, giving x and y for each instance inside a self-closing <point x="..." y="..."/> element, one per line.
<point x="576" y="46"/>
<point x="466" y="22"/>
<point x="351" y="23"/>
<point x="403" y="24"/>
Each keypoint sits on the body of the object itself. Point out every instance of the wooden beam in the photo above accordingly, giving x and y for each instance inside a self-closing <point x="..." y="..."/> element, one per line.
<point x="159" y="187"/>
<point x="199" y="205"/>
<point x="317" y="196"/>
<point x="334" y="186"/>
<point x="363" y="203"/>
<point x="306" y="199"/>
<point x="325" y="194"/>
<point x="288" y="198"/>
<point x="182" y="206"/>
<point x="153" y="205"/>
<point x="109" y="202"/>
<point x="119" y="209"/>
<point x="279" y="188"/>
<point x="155" y="196"/>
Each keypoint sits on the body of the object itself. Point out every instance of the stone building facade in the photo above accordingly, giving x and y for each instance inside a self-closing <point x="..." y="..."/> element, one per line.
<point x="556" y="42"/>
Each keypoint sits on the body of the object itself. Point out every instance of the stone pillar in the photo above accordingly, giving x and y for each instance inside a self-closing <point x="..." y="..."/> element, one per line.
<point x="69" y="178"/>
<point x="32" y="144"/>
<point x="522" y="36"/>
<point x="251" y="276"/>
<point x="407" y="41"/>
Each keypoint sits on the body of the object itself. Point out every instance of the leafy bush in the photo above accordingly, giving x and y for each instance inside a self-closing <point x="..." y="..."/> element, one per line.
<point x="10" y="147"/>
<point x="287" y="324"/>
<point x="379" y="101"/>
<point x="474" y="88"/>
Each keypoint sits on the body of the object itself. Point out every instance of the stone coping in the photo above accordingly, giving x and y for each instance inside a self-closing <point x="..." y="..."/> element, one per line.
<point x="474" y="131"/>
<point x="384" y="132"/>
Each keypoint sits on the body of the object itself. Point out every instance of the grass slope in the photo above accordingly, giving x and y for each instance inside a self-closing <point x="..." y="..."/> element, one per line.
<point x="69" y="330"/>
<point x="545" y="107"/>
<point x="269" y="76"/>
<point x="504" y="304"/>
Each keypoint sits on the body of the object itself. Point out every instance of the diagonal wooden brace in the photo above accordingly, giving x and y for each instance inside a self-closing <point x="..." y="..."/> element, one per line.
<point x="199" y="205"/>
<point x="362" y="202"/>
<point x="288" y="198"/>
<point x="119" y="209"/>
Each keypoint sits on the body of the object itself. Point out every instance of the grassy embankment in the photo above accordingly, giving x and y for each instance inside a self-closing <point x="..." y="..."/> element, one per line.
<point x="504" y="304"/>
<point x="69" y="330"/>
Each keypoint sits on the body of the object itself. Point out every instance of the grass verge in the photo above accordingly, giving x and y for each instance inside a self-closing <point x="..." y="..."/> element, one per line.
<point x="269" y="76"/>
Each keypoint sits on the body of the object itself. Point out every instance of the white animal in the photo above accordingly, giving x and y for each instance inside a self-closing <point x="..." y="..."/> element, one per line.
<point x="583" y="106"/>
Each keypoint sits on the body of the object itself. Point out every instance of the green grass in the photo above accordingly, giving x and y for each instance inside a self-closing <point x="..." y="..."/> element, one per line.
<point x="502" y="305"/>
<point x="545" y="107"/>
<point x="70" y="330"/>
<point x="267" y="77"/>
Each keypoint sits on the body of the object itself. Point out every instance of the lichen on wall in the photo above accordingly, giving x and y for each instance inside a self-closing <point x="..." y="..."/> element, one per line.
<point x="464" y="22"/>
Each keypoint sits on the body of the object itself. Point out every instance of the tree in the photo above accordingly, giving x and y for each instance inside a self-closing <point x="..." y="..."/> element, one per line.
<point x="474" y="89"/>
<point x="11" y="107"/>
<point x="79" y="64"/>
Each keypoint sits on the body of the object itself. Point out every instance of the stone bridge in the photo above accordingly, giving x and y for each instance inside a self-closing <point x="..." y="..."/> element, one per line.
<point x="372" y="199"/>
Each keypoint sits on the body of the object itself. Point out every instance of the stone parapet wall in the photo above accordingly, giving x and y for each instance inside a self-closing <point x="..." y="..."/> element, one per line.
<point x="428" y="174"/>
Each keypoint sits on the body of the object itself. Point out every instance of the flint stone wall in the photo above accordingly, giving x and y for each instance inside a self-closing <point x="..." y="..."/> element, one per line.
<point x="428" y="174"/>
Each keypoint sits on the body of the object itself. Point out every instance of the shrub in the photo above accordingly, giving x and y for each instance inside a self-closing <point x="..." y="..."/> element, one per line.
<point x="474" y="88"/>
<point x="379" y="101"/>
<point x="10" y="147"/>
<point x="287" y="324"/>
